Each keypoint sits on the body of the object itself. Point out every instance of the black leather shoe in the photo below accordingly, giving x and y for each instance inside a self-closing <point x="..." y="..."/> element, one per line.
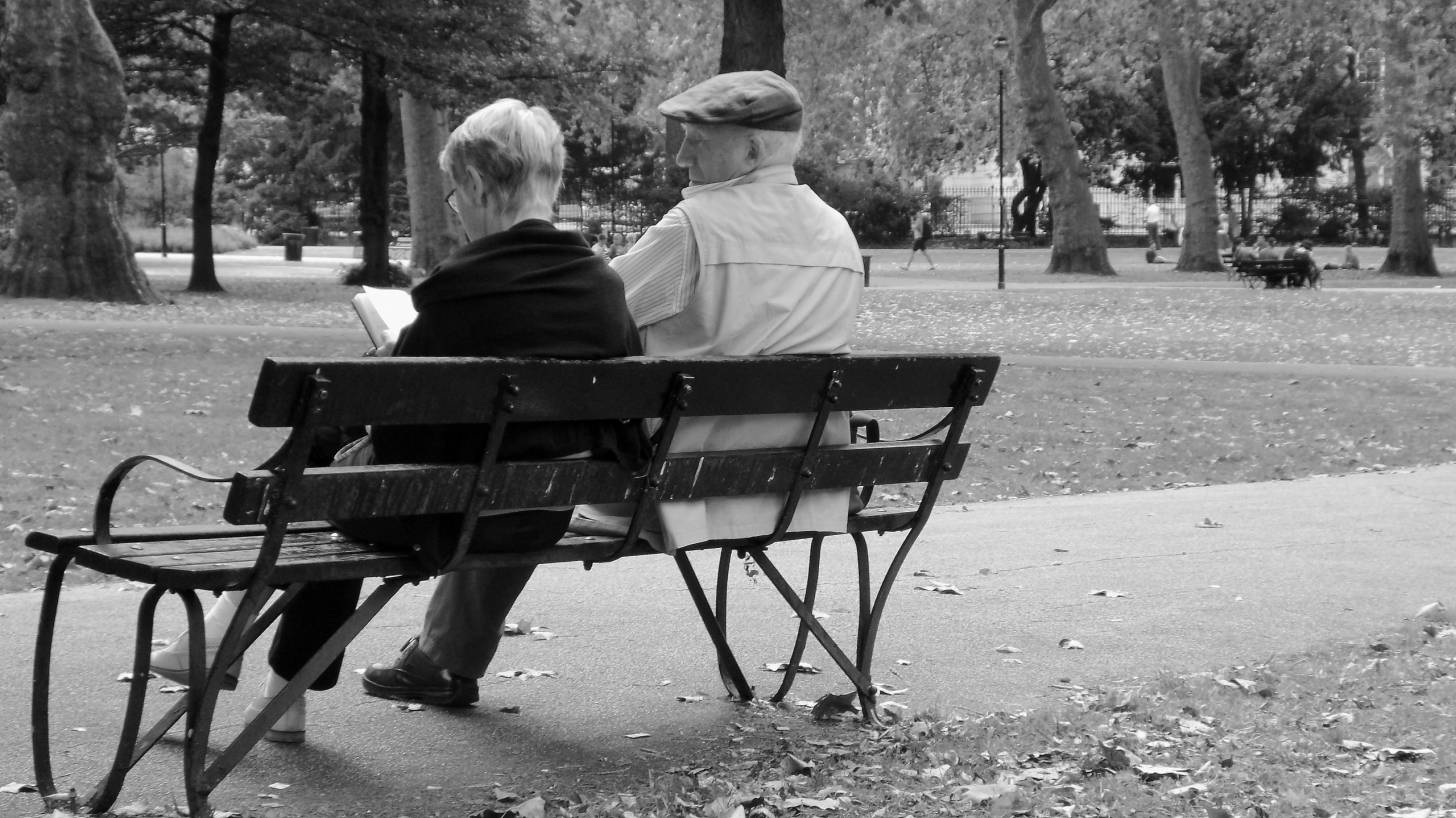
<point x="414" y="678"/>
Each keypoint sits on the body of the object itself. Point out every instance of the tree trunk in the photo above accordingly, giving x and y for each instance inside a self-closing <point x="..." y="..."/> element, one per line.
<point x="64" y="111"/>
<point x="1078" y="245"/>
<point x="753" y="36"/>
<point x="209" y="146"/>
<point x="1178" y="49"/>
<point x="1410" y="245"/>
<point x="374" y="169"/>
<point x="1362" y="183"/>
<point x="1355" y="139"/>
<point x="433" y="234"/>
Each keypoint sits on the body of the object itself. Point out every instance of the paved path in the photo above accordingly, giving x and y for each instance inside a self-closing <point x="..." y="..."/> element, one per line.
<point x="1287" y="566"/>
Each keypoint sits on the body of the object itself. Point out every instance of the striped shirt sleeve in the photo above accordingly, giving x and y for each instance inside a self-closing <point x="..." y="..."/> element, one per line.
<point x="660" y="272"/>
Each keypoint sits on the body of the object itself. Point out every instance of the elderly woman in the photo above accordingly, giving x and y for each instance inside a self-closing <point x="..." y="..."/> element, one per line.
<point x="518" y="287"/>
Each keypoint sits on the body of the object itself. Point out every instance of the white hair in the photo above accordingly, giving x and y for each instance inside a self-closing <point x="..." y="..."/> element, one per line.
<point x="777" y="147"/>
<point x="517" y="149"/>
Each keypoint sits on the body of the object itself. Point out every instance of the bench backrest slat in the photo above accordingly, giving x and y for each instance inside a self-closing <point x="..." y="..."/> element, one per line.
<point x="354" y="492"/>
<point x="364" y="391"/>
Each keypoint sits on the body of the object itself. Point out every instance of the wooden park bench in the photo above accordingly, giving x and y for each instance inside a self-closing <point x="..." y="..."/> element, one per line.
<point x="1277" y="272"/>
<point x="273" y="539"/>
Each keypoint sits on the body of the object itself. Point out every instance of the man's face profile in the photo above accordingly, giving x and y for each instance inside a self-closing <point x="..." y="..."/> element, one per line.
<point x="714" y="153"/>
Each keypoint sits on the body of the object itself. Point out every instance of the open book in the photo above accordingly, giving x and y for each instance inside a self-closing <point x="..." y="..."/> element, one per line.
<point x="384" y="313"/>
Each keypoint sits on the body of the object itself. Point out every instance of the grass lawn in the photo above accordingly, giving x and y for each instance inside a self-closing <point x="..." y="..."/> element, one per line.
<point x="120" y="380"/>
<point x="1357" y="728"/>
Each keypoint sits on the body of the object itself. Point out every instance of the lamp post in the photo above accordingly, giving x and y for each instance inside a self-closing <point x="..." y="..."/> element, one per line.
<point x="999" y="46"/>
<point x="162" y="181"/>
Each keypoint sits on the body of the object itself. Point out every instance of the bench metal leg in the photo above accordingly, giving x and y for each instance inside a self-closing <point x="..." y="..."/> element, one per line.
<point x="862" y="566"/>
<point x="40" y="724"/>
<point x="811" y="586"/>
<point x="204" y="781"/>
<point x="164" y="724"/>
<point x="877" y="612"/>
<point x="859" y="678"/>
<point x="110" y="786"/>
<point x="125" y="757"/>
<point x="734" y="679"/>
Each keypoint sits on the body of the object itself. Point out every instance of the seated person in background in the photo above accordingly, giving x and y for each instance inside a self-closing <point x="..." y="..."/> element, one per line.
<point x="1349" y="262"/>
<point x="518" y="287"/>
<point x="1264" y="250"/>
<point x="1245" y="251"/>
<point x="749" y="263"/>
<point x="1304" y="251"/>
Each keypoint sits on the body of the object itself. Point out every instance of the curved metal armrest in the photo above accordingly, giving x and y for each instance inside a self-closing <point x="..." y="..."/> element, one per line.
<point x="101" y="519"/>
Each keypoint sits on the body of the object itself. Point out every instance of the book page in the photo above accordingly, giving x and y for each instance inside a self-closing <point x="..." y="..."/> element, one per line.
<point x="384" y="313"/>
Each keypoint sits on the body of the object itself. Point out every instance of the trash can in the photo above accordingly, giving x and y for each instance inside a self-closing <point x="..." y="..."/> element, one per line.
<point x="293" y="247"/>
<point x="311" y="235"/>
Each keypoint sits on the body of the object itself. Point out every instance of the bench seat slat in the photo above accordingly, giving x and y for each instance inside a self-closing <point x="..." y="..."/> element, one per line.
<point x="377" y="491"/>
<point x="221" y="558"/>
<point x="364" y="391"/>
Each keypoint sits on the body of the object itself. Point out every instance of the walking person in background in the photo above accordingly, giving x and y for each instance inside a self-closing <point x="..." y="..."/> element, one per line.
<point x="920" y="225"/>
<point x="1153" y="221"/>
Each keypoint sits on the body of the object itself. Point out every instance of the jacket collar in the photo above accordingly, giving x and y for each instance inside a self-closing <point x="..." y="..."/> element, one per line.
<point x="768" y="174"/>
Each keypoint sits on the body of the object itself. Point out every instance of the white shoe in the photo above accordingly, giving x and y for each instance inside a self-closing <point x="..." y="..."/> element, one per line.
<point x="170" y="662"/>
<point x="289" y="727"/>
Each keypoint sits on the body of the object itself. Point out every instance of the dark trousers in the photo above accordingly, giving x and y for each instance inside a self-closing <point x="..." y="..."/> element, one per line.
<point x="321" y="607"/>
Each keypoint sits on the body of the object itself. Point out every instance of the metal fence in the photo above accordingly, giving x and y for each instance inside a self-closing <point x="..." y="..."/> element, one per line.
<point x="1295" y="210"/>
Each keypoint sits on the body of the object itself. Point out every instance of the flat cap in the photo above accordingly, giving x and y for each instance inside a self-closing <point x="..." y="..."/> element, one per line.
<point x="753" y="99"/>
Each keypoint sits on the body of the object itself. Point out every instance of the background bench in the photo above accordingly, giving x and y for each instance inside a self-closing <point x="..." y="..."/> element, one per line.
<point x="1281" y="272"/>
<point x="272" y="539"/>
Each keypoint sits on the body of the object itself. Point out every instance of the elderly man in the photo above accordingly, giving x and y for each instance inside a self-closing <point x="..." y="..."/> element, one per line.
<point x="749" y="263"/>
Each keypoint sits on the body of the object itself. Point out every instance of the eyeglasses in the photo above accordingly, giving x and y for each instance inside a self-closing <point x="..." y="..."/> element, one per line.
<point x="450" y="201"/>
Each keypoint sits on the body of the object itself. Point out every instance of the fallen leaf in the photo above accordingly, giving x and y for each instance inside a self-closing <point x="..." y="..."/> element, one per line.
<point x="510" y="708"/>
<point x="1007" y="649"/>
<point x="526" y="673"/>
<point x="978" y="794"/>
<point x="1207" y="523"/>
<point x="940" y="588"/>
<point x="1155" y="771"/>
<point x="812" y="803"/>
<point x="831" y="705"/>
<point x="793" y="765"/>
<point x="534" y="807"/>
<point x="1433" y="612"/>
<point x="638" y="735"/>
<point x="691" y="699"/>
<point x="1107" y="593"/>
<point x="782" y="667"/>
<point x="15" y="787"/>
<point x="1071" y="644"/>
<point x="1405" y="753"/>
